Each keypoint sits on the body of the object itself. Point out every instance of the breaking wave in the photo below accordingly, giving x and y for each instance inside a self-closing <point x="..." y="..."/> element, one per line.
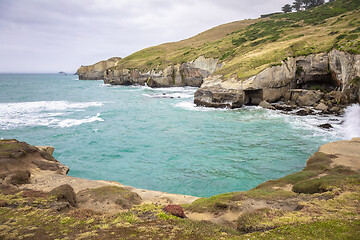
<point x="44" y="113"/>
<point x="352" y="121"/>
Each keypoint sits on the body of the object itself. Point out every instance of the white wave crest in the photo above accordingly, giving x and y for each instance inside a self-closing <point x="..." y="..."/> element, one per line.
<point x="43" y="113"/>
<point x="192" y="107"/>
<point x="76" y="122"/>
<point x="352" y="121"/>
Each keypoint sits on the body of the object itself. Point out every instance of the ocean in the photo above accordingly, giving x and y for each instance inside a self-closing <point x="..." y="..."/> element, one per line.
<point x="157" y="139"/>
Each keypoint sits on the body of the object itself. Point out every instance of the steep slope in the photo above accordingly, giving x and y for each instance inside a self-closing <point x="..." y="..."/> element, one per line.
<point x="232" y="53"/>
<point x="250" y="46"/>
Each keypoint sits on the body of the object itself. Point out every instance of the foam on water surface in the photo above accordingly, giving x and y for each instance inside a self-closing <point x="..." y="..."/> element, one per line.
<point x="44" y="113"/>
<point x="152" y="139"/>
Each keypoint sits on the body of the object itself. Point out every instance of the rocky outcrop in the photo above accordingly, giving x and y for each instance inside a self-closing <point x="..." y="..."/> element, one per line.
<point x="185" y="74"/>
<point x="18" y="156"/>
<point x="97" y="70"/>
<point x="295" y="81"/>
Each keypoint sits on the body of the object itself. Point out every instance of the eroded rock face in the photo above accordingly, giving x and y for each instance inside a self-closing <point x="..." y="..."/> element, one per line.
<point x="97" y="70"/>
<point x="335" y="71"/>
<point x="185" y="74"/>
<point x="219" y="99"/>
<point x="19" y="156"/>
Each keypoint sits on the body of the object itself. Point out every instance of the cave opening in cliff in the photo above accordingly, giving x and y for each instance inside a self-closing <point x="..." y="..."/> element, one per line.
<point x="253" y="97"/>
<point x="325" y="83"/>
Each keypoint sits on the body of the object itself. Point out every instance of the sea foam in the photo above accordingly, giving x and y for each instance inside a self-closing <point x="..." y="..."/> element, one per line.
<point x="44" y="113"/>
<point x="352" y="121"/>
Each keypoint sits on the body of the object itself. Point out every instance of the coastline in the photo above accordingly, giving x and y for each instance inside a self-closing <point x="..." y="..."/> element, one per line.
<point x="32" y="182"/>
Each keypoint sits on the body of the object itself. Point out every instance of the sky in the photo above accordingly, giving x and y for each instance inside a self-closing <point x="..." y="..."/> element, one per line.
<point x="61" y="35"/>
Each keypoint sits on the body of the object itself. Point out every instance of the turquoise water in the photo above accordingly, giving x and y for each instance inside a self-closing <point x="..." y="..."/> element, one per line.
<point x="156" y="138"/>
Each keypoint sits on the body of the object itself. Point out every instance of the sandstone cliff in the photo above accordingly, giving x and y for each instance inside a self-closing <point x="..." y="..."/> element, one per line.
<point x="331" y="71"/>
<point x="184" y="74"/>
<point x="97" y="70"/>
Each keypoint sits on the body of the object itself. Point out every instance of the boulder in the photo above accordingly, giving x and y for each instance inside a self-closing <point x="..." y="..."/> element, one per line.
<point x="265" y="104"/>
<point x="175" y="210"/>
<point x="309" y="98"/>
<point x="322" y="107"/>
<point x="325" y="126"/>
<point x="304" y="112"/>
<point x="334" y="109"/>
<point x="3" y="203"/>
<point x="219" y="99"/>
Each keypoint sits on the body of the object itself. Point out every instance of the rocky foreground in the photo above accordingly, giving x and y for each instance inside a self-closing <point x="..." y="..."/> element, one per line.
<point x="38" y="200"/>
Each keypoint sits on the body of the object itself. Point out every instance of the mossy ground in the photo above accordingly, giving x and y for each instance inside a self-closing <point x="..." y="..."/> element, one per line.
<point x="249" y="46"/>
<point x="320" y="202"/>
<point x="31" y="216"/>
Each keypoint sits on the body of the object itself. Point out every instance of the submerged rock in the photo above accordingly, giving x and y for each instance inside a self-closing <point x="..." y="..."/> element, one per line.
<point x="325" y="125"/>
<point x="304" y="112"/>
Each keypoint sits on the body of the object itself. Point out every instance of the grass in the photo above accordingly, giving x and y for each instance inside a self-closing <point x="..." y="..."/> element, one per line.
<point x="249" y="46"/>
<point x="21" y="220"/>
<point x="329" y="229"/>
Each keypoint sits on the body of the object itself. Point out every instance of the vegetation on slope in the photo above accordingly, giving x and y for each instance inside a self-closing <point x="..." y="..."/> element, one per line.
<point x="247" y="47"/>
<point x="320" y="202"/>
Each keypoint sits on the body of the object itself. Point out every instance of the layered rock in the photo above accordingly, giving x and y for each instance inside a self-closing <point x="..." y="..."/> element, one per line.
<point x="185" y="74"/>
<point x="19" y="156"/>
<point x="97" y="70"/>
<point x="336" y="72"/>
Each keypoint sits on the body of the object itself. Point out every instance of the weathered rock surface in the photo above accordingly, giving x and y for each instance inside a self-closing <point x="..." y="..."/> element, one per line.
<point x="97" y="70"/>
<point x="321" y="107"/>
<point x="265" y="104"/>
<point x="175" y="210"/>
<point x="185" y="74"/>
<point x="344" y="153"/>
<point x="20" y="156"/>
<point x="23" y="166"/>
<point x="294" y="81"/>
<point x="107" y="198"/>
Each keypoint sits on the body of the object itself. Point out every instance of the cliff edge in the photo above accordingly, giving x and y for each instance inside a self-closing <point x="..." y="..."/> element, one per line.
<point x="37" y="199"/>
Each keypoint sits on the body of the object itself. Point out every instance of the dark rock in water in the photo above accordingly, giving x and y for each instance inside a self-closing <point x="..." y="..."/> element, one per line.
<point x="286" y="108"/>
<point x="326" y="126"/>
<point x="304" y="112"/>
<point x="231" y="99"/>
<point x="65" y="193"/>
<point x="175" y="210"/>
<point x="265" y="104"/>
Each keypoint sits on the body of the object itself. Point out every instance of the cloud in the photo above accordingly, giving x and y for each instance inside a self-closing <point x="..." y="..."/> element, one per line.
<point x="51" y="36"/>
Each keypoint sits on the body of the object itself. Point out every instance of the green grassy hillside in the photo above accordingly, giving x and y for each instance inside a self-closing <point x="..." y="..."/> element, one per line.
<point x="249" y="46"/>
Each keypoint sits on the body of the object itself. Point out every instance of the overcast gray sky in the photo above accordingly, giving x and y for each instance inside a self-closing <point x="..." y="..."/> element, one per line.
<point x="62" y="35"/>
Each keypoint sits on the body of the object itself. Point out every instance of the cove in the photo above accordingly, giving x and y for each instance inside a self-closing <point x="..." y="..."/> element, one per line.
<point x="156" y="138"/>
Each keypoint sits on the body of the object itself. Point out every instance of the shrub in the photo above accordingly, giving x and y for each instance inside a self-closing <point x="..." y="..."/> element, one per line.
<point x="318" y="161"/>
<point x="19" y="177"/>
<point x="309" y="186"/>
<point x="65" y="193"/>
